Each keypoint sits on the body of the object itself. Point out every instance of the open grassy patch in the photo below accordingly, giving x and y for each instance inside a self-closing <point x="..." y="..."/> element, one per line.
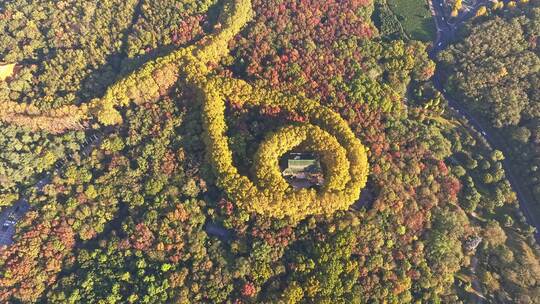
<point x="387" y="22"/>
<point x="415" y="17"/>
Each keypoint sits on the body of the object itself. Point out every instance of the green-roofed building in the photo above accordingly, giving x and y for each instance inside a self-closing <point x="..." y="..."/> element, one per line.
<point x="299" y="165"/>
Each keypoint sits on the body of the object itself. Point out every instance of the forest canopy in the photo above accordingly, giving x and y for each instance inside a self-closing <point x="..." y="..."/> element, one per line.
<point x="142" y="146"/>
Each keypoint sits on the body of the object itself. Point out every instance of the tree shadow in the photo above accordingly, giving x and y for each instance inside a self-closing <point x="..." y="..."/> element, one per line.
<point x="427" y="31"/>
<point x="118" y="65"/>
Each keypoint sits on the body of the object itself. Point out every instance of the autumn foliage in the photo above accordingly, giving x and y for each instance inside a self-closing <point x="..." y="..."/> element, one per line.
<point x="324" y="132"/>
<point x="45" y="245"/>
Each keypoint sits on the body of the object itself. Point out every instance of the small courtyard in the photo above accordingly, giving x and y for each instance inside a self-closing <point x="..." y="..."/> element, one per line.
<point x="302" y="170"/>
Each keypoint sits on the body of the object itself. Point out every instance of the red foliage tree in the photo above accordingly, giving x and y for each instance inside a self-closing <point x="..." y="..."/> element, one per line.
<point x="249" y="290"/>
<point x="32" y="263"/>
<point x="292" y="43"/>
<point x="143" y="237"/>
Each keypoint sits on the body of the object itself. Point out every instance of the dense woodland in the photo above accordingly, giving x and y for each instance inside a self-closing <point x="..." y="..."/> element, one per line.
<point x="495" y="70"/>
<point x="144" y="218"/>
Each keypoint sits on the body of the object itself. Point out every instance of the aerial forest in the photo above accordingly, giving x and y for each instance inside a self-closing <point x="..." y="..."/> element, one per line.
<point x="145" y="142"/>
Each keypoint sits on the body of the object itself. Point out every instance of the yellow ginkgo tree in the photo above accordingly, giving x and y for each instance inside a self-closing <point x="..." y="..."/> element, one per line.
<point x="324" y="131"/>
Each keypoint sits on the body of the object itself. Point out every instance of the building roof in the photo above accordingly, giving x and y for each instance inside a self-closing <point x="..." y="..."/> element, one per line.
<point x="301" y="163"/>
<point x="6" y="70"/>
<point x="295" y="166"/>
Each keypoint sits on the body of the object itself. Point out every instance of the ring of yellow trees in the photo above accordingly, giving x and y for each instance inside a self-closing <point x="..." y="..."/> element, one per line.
<point x="325" y="133"/>
<point x="310" y="138"/>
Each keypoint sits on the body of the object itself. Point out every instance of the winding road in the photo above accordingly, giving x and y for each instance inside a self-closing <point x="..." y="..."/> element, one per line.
<point x="445" y="34"/>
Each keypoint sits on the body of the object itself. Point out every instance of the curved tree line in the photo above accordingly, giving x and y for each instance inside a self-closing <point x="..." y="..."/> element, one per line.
<point x="324" y="131"/>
